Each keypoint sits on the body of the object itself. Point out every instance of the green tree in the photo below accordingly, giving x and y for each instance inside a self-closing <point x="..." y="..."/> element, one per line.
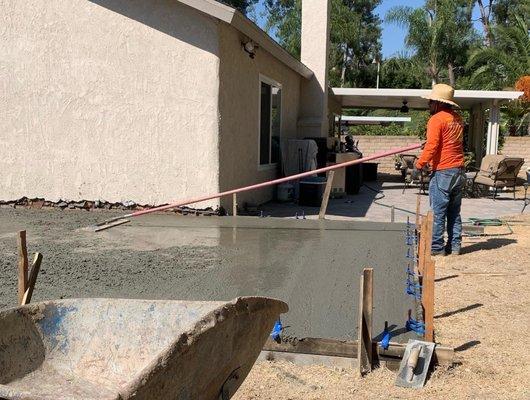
<point x="354" y="37"/>
<point x="508" y="59"/>
<point x="404" y="71"/>
<point x="284" y="22"/>
<point x="440" y="33"/>
<point x="242" y="5"/>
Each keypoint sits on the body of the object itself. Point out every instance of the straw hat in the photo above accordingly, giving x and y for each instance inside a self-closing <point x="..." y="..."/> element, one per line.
<point x="442" y="93"/>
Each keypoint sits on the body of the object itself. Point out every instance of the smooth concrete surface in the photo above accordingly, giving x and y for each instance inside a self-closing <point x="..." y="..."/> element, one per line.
<point x="312" y="265"/>
<point x="124" y="349"/>
<point x="108" y="99"/>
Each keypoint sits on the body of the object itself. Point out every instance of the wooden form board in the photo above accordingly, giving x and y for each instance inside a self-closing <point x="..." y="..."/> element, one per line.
<point x="364" y="328"/>
<point x="349" y="349"/>
<point x="426" y="269"/>
<point x="234" y="204"/>
<point x="22" y="265"/>
<point x="418" y="210"/>
<point x="32" y="280"/>
<point x="427" y="299"/>
<point x="325" y="197"/>
<point x="26" y="280"/>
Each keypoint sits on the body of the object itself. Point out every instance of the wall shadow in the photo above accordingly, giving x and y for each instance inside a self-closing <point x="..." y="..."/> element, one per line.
<point x="490" y="244"/>
<point x="354" y="206"/>
<point x="170" y="17"/>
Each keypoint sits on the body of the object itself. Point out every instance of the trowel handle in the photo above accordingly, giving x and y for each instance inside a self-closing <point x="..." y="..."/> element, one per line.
<point x="412" y="362"/>
<point x="413" y="358"/>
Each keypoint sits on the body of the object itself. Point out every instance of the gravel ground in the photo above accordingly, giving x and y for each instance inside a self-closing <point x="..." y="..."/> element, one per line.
<point x="78" y="263"/>
<point x="482" y="310"/>
<point x="482" y="304"/>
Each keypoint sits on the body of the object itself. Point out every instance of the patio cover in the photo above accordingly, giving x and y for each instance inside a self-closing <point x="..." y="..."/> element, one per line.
<point x="476" y="101"/>
<point x="393" y="98"/>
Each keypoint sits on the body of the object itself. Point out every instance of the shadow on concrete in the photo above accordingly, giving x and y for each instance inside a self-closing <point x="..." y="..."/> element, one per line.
<point x="460" y="310"/>
<point x="444" y="278"/>
<point x="354" y="206"/>
<point x="168" y="17"/>
<point x="467" y="345"/>
<point x="490" y="244"/>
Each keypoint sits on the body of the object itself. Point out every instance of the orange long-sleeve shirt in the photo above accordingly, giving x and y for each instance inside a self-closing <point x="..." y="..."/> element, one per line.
<point x="444" y="147"/>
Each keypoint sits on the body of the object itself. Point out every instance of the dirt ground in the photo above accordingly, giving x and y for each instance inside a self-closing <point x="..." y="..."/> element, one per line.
<point x="482" y="304"/>
<point x="482" y="310"/>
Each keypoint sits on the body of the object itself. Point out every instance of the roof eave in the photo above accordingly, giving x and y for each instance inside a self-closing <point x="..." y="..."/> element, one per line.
<point x="234" y="18"/>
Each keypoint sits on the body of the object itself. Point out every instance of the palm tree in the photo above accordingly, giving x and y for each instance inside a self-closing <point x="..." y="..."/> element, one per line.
<point x="506" y="61"/>
<point x="440" y="32"/>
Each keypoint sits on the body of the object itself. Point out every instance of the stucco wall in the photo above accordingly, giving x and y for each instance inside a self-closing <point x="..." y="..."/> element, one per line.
<point x="376" y="144"/>
<point x="239" y="113"/>
<point x="518" y="147"/>
<point x="108" y="99"/>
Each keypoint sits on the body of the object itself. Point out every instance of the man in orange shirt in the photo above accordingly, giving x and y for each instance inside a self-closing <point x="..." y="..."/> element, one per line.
<point x="444" y="152"/>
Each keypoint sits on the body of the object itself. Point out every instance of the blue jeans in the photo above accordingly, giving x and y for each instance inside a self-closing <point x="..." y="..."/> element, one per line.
<point x="445" y="194"/>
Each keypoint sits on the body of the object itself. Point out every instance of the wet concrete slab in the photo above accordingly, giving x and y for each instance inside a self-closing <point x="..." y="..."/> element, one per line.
<point x="313" y="265"/>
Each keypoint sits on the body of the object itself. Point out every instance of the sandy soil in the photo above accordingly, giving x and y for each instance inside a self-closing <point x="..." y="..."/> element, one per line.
<point x="482" y="310"/>
<point x="482" y="304"/>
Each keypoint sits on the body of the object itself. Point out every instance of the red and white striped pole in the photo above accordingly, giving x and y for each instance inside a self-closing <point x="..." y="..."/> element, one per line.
<point x="268" y="183"/>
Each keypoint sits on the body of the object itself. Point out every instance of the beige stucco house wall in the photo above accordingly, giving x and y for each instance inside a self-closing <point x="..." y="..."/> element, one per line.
<point x="150" y="101"/>
<point x="111" y="100"/>
<point x="239" y="98"/>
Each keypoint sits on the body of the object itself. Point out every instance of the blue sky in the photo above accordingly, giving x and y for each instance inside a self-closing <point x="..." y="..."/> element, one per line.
<point x="393" y="36"/>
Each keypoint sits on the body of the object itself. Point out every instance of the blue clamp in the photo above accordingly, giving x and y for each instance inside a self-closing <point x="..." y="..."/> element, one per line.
<point x="416" y="326"/>
<point x="413" y="289"/>
<point x="385" y="342"/>
<point x="277" y="331"/>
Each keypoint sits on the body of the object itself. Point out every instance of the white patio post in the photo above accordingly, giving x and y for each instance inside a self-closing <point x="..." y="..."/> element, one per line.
<point x="476" y="130"/>
<point x="492" y="144"/>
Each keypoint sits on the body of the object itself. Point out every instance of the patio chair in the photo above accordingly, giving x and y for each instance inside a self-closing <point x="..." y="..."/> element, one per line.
<point x="497" y="171"/>
<point x="411" y="174"/>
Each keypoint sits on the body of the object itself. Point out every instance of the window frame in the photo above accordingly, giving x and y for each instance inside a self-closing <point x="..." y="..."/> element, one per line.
<point x="270" y="82"/>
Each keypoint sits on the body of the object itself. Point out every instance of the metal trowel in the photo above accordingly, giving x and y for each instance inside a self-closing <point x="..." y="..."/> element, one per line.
<point x="415" y="364"/>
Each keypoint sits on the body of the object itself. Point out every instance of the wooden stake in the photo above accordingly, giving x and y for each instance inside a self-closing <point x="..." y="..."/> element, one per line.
<point x="427" y="299"/>
<point x="35" y="268"/>
<point x="22" y="265"/>
<point x="428" y="234"/>
<point x="234" y="204"/>
<point x="427" y="278"/>
<point x="327" y="192"/>
<point x="421" y="245"/>
<point x="418" y="211"/>
<point x="364" y="342"/>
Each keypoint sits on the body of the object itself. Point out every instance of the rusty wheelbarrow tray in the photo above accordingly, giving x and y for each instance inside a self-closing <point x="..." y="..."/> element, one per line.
<point x="132" y="349"/>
